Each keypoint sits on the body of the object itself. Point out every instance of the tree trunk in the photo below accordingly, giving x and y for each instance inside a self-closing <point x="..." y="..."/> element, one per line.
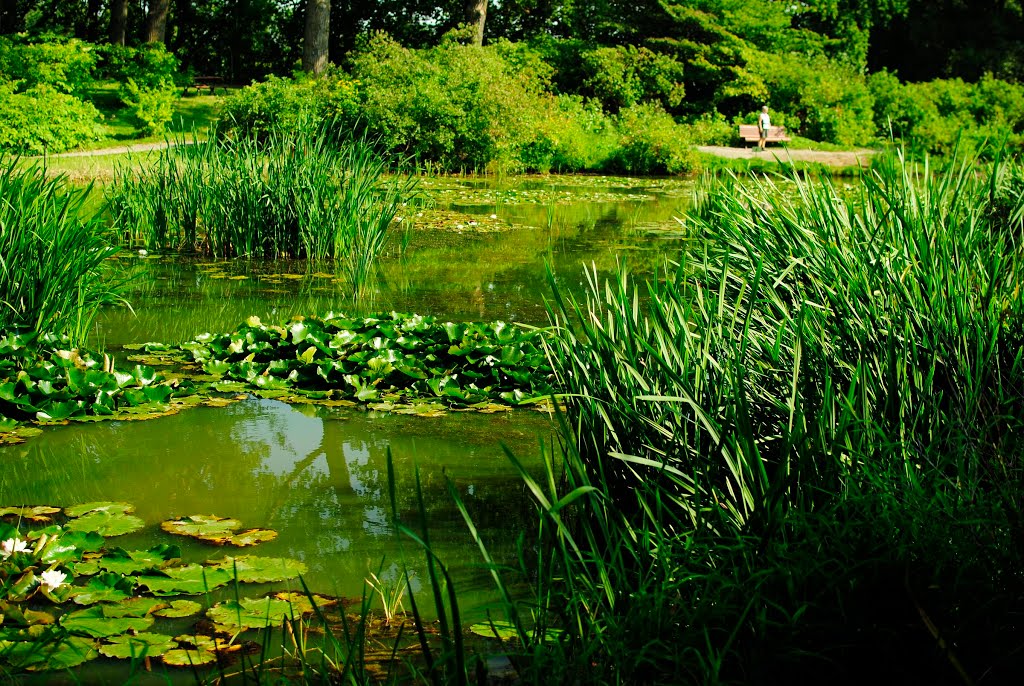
<point x="476" y="15"/>
<point x="118" y="21"/>
<point x="93" y="21"/>
<point x="318" y="33"/>
<point x="156" y="21"/>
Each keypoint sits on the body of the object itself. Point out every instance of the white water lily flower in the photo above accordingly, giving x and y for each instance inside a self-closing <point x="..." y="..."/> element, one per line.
<point x="11" y="546"/>
<point x="52" y="578"/>
<point x="494" y="216"/>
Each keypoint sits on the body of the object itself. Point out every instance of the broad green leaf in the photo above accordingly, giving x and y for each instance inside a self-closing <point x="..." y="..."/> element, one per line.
<point x="63" y="653"/>
<point x="118" y="507"/>
<point x="257" y="613"/>
<point x="180" y="608"/>
<point x="138" y="646"/>
<point x="254" y="569"/>
<point x="188" y="658"/>
<point x="132" y="561"/>
<point x="188" y="580"/>
<point x="107" y="587"/>
<point x="106" y="523"/>
<point x="95" y="623"/>
<point x="39" y="513"/>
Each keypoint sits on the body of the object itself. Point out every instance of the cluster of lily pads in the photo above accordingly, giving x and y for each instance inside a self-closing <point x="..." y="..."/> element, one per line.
<point x="384" y="361"/>
<point x="44" y="379"/>
<point x="67" y="596"/>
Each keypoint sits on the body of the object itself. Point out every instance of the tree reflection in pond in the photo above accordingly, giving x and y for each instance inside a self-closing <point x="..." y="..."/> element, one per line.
<point x="317" y="476"/>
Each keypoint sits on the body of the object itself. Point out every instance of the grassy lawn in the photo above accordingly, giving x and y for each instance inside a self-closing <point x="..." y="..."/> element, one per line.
<point x="192" y="113"/>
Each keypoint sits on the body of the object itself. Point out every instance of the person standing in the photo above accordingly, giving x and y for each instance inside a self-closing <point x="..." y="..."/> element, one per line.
<point x="764" y="124"/>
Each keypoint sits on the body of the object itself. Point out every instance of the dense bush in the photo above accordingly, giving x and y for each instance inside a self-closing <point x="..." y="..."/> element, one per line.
<point x="937" y="115"/>
<point x="625" y="75"/>
<point x="829" y="101"/>
<point x="650" y="142"/>
<point x="150" y="66"/>
<point x="63" y="65"/>
<point x="285" y="103"/>
<point x="42" y="120"/>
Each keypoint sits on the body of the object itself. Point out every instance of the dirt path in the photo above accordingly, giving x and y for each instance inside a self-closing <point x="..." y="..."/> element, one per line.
<point x="845" y="158"/>
<point x="120" y="150"/>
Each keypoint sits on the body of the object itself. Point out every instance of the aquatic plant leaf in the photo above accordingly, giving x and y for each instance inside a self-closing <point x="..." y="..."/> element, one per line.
<point x="217" y="530"/>
<point x="38" y="514"/>
<point x="180" y="608"/>
<point x="66" y="652"/>
<point x="94" y="622"/>
<point x="181" y="657"/>
<point x="506" y="631"/>
<point x="188" y="580"/>
<point x="248" y="538"/>
<point x="137" y="646"/>
<point x="107" y="587"/>
<point x="201" y="526"/>
<point x="79" y="510"/>
<point x="254" y="569"/>
<point x="133" y="561"/>
<point x="138" y="606"/>
<point x="258" y="613"/>
<point x="106" y="523"/>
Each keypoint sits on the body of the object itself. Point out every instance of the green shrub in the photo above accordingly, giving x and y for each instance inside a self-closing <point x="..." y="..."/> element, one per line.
<point x="650" y="142"/>
<point x="65" y="66"/>
<point x="151" y="106"/>
<point x="625" y="75"/>
<point x="712" y="129"/>
<point x="936" y="116"/>
<point x="42" y="120"/>
<point x="286" y="103"/>
<point x="828" y="100"/>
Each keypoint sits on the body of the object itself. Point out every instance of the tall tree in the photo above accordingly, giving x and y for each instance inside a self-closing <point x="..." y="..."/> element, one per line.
<point x="118" y="21"/>
<point x="318" y="34"/>
<point x="156" y="21"/>
<point x="476" y="16"/>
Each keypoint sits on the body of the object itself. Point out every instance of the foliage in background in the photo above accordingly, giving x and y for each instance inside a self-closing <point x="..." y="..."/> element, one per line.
<point x="54" y="272"/>
<point x="936" y="116"/>
<point x="42" y="120"/>
<point x="64" y="65"/>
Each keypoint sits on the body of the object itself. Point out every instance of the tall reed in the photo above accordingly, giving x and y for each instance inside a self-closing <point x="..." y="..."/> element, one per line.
<point x="54" y="271"/>
<point x="297" y="193"/>
<point x="770" y="448"/>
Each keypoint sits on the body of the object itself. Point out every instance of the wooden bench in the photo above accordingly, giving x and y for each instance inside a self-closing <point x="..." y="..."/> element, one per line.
<point x="212" y="83"/>
<point x="776" y="134"/>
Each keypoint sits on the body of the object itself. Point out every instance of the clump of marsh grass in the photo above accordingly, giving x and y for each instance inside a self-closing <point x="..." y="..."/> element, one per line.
<point x="54" y="272"/>
<point x="296" y="193"/>
<point x="770" y="449"/>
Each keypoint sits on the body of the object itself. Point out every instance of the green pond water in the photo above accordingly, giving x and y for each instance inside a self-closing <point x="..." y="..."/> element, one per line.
<point x="318" y="476"/>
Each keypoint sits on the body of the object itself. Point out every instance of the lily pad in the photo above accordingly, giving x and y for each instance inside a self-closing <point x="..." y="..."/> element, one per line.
<point x="254" y="569"/>
<point x="188" y="580"/>
<point x="258" y="613"/>
<point x="181" y="657"/>
<point x="63" y="653"/>
<point x="138" y="606"/>
<point x="180" y="608"/>
<point x="108" y="587"/>
<point x="138" y="646"/>
<point x="217" y="530"/>
<point x="79" y="510"/>
<point x="133" y="561"/>
<point x="71" y="546"/>
<point x="38" y="514"/>
<point x="106" y="523"/>
<point x="94" y="622"/>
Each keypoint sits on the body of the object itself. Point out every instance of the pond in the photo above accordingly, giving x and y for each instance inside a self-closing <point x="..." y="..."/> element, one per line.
<point x="318" y="476"/>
